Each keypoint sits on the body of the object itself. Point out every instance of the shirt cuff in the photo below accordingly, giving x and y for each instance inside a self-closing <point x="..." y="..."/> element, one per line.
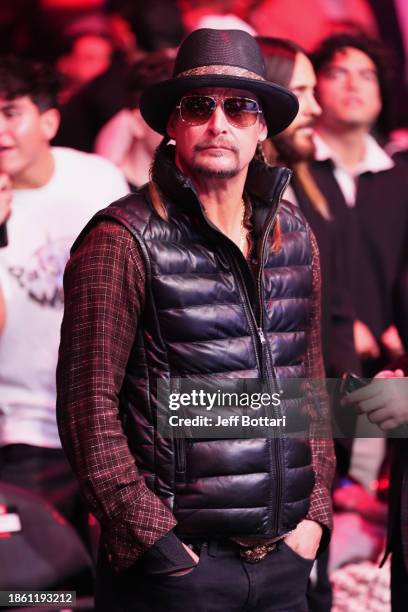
<point x="321" y="511"/>
<point x="167" y="555"/>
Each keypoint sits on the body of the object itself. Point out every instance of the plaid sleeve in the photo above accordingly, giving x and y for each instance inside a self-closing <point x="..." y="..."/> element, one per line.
<point x="320" y="432"/>
<point x="104" y="294"/>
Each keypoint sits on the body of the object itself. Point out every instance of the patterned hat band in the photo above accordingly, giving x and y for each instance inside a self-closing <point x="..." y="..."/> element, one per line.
<point x="216" y="70"/>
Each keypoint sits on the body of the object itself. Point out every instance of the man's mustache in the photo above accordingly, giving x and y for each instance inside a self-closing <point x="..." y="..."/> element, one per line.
<point x="307" y="124"/>
<point x="206" y="144"/>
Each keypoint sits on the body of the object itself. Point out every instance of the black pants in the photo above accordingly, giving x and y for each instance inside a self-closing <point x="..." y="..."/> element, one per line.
<point x="319" y="595"/>
<point x="221" y="582"/>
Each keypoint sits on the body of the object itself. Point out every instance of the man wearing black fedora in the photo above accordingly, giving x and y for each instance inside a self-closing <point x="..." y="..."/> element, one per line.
<point x="202" y="274"/>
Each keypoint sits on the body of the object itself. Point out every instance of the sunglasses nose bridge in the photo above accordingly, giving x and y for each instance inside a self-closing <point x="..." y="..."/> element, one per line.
<point x="218" y="120"/>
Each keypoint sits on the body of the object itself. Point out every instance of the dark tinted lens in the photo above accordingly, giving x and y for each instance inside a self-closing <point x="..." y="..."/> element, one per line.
<point x="241" y="111"/>
<point x="196" y="109"/>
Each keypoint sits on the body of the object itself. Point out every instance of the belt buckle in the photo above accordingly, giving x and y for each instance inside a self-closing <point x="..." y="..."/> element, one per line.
<point x="257" y="553"/>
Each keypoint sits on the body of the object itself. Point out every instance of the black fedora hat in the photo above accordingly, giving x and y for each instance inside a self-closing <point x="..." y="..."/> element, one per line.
<point x="219" y="58"/>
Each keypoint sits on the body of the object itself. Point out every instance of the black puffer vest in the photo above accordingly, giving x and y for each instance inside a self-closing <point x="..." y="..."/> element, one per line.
<point x="206" y="315"/>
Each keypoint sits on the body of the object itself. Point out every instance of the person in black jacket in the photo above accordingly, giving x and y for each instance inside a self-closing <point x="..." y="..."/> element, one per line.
<point x="287" y="64"/>
<point x="356" y="174"/>
<point x="202" y="274"/>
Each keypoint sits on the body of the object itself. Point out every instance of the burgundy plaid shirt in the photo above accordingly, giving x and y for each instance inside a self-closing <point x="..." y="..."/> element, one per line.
<point x="104" y="296"/>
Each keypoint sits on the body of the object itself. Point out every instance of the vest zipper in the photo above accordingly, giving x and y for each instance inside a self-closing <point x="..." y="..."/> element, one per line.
<point x="263" y="366"/>
<point x="271" y="376"/>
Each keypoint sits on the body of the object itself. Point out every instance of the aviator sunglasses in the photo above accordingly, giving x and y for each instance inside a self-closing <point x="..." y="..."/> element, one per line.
<point x="240" y="112"/>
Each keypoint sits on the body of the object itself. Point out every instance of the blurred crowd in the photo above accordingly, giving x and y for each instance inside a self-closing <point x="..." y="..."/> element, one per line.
<point x="72" y="139"/>
<point x="84" y="39"/>
<point x="92" y="42"/>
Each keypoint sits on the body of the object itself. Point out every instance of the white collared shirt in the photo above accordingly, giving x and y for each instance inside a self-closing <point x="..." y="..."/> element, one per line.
<point x="375" y="160"/>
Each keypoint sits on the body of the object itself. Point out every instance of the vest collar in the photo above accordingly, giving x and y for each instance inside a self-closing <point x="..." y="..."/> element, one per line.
<point x="265" y="184"/>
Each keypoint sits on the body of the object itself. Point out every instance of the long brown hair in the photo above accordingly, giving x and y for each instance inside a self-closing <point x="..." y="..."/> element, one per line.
<point x="280" y="56"/>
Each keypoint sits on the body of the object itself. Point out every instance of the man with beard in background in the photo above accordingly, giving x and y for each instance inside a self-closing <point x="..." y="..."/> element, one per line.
<point x="288" y="65"/>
